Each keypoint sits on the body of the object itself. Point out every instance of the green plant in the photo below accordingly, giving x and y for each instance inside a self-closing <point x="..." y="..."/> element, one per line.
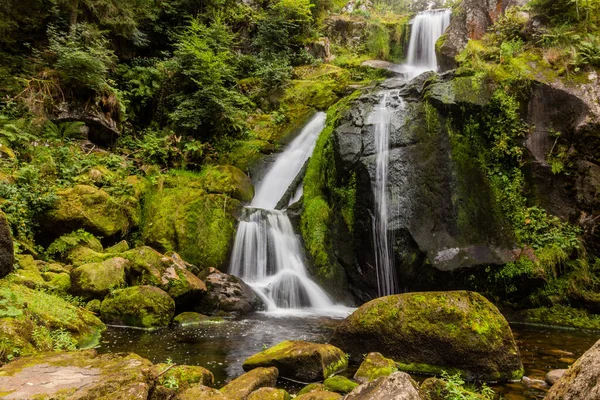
<point x="455" y="387"/>
<point x="170" y="382"/>
<point x="65" y="243"/>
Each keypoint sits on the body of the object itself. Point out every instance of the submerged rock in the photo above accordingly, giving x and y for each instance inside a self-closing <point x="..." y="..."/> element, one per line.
<point x="397" y="386"/>
<point x="78" y="375"/>
<point x="227" y="293"/>
<point x="374" y="366"/>
<point x="300" y="360"/>
<point x="241" y="387"/>
<point x="95" y="280"/>
<point x="581" y="381"/>
<point x="140" y="306"/>
<point x="434" y="331"/>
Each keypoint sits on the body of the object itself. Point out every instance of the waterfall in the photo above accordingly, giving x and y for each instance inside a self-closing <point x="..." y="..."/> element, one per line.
<point x="267" y="254"/>
<point x="427" y="27"/>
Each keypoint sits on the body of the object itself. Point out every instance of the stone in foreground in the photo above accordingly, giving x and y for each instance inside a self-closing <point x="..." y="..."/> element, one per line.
<point x="339" y="384"/>
<point x="457" y="331"/>
<point x="140" y="306"/>
<point x="320" y="395"/>
<point x="397" y="386"/>
<point x="581" y="381"/>
<point x="78" y="375"/>
<point x="95" y="280"/>
<point x="374" y="366"/>
<point x="269" y="394"/>
<point x="300" y="360"/>
<point x="201" y="392"/>
<point x="185" y="375"/>
<point x="241" y="387"/>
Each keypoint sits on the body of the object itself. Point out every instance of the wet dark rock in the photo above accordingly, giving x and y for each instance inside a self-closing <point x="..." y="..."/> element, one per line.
<point x="397" y="386"/>
<point x="7" y="257"/>
<point x="581" y="381"/>
<point x="431" y="332"/>
<point x="227" y="293"/>
<point x="101" y="128"/>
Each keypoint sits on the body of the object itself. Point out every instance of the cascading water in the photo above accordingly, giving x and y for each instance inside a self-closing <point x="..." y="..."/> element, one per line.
<point x="267" y="254"/>
<point x="427" y="27"/>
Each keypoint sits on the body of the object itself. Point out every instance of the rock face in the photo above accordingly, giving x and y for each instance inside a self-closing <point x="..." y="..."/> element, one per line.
<point x="581" y="381"/>
<point x="7" y="257"/>
<point x="241" y="387"/>
<point x="227" y="293"/>
<point x="436" y="216"/>
<point x="470" y="20"/>
<point x="374" y="366"/>
<point x="95" y="280"/>
<point x="299" y="360"/>
<point x="140" y="306"/>
<point x="397" y="386"/>
<point x="78" y="375"/>
<point x="434" y="331"/>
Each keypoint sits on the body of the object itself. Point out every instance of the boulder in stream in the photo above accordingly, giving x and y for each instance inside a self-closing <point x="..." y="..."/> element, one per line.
<point x="397" y="386"/>
<point x="434" y="331"/>
<point x="374" y="366"/>
<point x="300" y="360"/>
<point x="139" y="306"/>
<point x="241" y="387"/>
<point x="227" y="293"/>
<point x="581" y="381"/>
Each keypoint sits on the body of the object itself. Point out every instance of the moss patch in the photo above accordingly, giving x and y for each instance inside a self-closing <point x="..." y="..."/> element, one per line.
<point x="562" y="316"/>
<point x="339" y="384"/>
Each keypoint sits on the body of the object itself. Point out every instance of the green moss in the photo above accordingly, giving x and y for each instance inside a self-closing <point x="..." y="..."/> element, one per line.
<point x="185" y="375"/>
<point x="311" y="387"/>
<point x="339" y="384"/>
<point x="139" y="306"/>
<point x="229" y="180"/>
<point x="561" y="316"/>
<point x="95" y="280"/>
<point x="374" y="366"/>
<point x="189" y="318"/>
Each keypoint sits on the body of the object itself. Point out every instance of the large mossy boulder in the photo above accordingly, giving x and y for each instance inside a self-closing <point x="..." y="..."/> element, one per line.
<point x="139" y="306"/>
<point x="431" y="332"/>
<point x="95" y="280"/>
<point x="181" y="216"/>
<point x="581" y="381"/>
<point x="374" y="366"/>
<point x="7" y="257"/>
<point x="227" y="293"/>
<point x="28" y="315"/>
<point x="397" y="386"/>
<point x="168" y="272"/>
<point x="241" y="387"/>
<point x="87" y="207"/>
<point x="78" y="375"/>
<point x="300" y="360"/>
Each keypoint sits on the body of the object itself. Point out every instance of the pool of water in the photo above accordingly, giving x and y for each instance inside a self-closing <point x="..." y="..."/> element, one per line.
<point x="222" y="346"/>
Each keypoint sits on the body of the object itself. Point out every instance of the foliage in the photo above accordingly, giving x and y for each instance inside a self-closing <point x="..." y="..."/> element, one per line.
<point x="69" y="241"/>
<point x="455" y="386"/>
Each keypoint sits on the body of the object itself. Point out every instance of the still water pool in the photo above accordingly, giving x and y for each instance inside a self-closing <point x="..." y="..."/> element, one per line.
<point x="222" y="346"/>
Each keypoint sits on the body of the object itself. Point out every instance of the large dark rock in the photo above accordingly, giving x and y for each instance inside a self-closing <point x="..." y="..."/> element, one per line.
<point x="431" y="332"/>
<point x="7" y="255"/>
<point x="227" y="293"/>
<point x="581" y="381"/>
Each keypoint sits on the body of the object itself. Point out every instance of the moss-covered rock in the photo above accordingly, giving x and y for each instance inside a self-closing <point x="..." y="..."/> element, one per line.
<point x="241" y="387"/>
<point x="78" y="375"/>
<point x="185" y="375"/>
<point x="320" y="395"/>
<point x="180" y="216"/>
<point x="339" y="384"/>
<point x="33" y="320"/>
<point x="200" y="392"/>
<point x="95" y="280"/>
<point x="300" y="360"/>
<point x="170" y="273"/>
<point x="269" y="394"/>
<point x="189" y="319"/>
<point x="229" y="180"/>
<point x="92" y="209"/>
<point x="311" y="387"/>
<point x="375" y="365"/>
<point x="140" y="306"/>
<point x="94" y="306"/>
<point x="37" y="274"/>
<point x="120" y="247"/>
<point x="433" y="331"/>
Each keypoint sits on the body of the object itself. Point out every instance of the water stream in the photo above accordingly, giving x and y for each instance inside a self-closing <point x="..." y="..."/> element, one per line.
<point x="267" y="253"/>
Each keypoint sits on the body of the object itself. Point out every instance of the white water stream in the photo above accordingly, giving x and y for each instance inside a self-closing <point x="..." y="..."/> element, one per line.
<point x="267" y="254"/>
<point x="427" y="27"/>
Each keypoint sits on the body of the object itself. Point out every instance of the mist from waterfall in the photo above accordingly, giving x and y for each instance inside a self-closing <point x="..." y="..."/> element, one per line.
<point x="267" y="254"/>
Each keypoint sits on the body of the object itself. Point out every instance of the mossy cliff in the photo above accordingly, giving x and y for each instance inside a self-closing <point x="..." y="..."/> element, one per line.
<point x="433" y="331"/>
